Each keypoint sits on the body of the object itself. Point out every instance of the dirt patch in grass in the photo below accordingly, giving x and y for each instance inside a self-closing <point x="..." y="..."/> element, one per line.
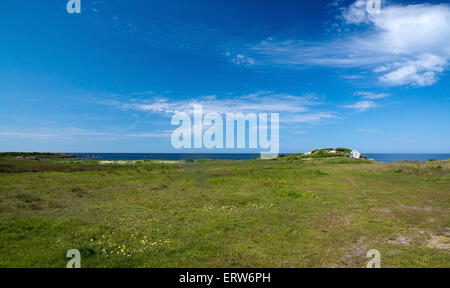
<point x="423" y="208"/>
<point x="439" y="242"/>
<point x="359" y="249"/>
<point x="400" y="240"/>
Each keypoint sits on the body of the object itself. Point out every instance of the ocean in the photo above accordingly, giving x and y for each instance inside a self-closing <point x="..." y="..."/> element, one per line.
<point x="247" y="156"/>
<point x="406" y="157"/>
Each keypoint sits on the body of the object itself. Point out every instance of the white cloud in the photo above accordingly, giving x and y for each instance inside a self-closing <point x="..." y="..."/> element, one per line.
<point x="292" y="108"/>
<point x="309" y="118"/>
<point x="371" y="95"/>
<point x="352" y="77"/>
<point x="402" y="45"/>
<point x="420" y="72"/>
<point x="240" y="59"/>
<point x="362" y="106"/>
<point x="356" y="13"/>
<point x="262" y="101"/>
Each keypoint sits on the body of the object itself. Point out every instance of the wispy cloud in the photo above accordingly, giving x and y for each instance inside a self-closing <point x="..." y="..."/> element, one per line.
<point x="421" y="72"/>
<point x="402" y="45"/>
<point x="240" y="59"/>
<point x="356" y="13"/>
<point x="361" y="106"/>
<point x="292" y="108"/>
<point x="367" y="101"/>
<point x="371" y="95"/>
<point x="309" y="118"/>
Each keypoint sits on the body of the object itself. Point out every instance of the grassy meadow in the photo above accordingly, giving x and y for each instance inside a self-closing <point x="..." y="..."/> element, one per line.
<point x="216" y="213"/>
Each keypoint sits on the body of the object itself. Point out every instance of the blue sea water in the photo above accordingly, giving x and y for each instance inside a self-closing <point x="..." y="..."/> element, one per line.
<point x="248" y="156"/>
<point x="406" y="157"/>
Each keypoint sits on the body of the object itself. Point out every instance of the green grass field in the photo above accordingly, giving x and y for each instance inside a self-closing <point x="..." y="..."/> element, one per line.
<point x="279" y="213"/>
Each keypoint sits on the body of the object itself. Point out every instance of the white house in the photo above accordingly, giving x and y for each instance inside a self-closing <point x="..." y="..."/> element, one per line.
<point x="355" y="154"/>
<point x="332" y="152"/>
<point x="308" y="153"/>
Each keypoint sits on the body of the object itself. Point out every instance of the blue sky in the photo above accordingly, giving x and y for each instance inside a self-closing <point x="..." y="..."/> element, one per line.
<point x="109" y="79"/>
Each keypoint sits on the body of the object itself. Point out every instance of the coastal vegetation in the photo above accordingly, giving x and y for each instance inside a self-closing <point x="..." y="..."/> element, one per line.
<point x="288" y="212"/>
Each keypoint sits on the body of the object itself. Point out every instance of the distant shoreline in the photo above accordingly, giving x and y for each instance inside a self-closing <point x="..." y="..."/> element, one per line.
<point x="380" y="157"/>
